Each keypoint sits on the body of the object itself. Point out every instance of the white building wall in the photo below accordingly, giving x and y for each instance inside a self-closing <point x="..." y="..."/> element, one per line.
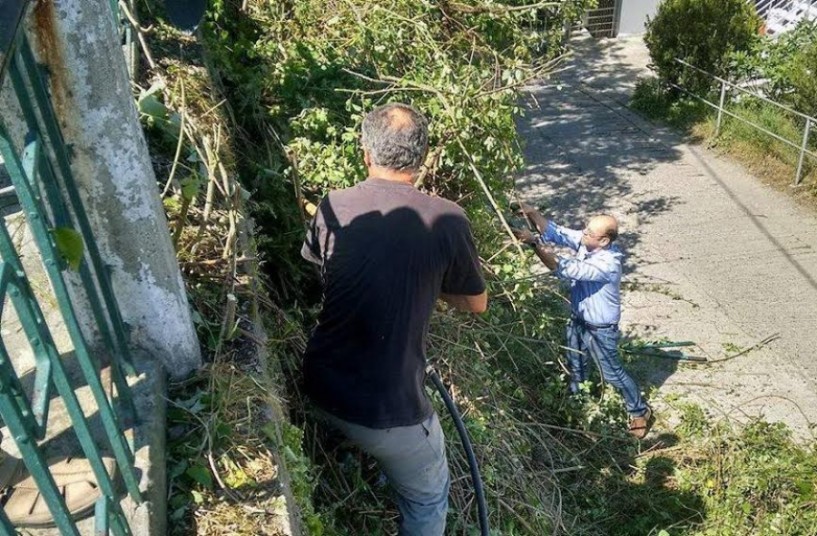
<point x="633" y="15"/>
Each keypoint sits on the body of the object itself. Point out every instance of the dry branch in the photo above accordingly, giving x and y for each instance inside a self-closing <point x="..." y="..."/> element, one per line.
<point x="140" y="33"/>
<point x="497" y="9"/>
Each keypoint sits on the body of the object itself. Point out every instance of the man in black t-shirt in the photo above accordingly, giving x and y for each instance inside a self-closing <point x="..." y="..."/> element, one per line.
<point x="387" y="252"/>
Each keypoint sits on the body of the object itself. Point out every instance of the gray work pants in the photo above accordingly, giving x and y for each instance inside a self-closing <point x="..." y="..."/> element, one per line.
<point x="413" y="459"/>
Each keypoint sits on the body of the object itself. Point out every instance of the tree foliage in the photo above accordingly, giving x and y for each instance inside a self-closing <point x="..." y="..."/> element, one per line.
<point x="704" y="33"/>
<point x="305" y="73"/>
<point x="788" y="63"/>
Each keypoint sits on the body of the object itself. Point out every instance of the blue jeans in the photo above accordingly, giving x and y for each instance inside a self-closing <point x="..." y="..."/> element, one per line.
<point x="413" y="459"/>
<point x="602" y="345"/>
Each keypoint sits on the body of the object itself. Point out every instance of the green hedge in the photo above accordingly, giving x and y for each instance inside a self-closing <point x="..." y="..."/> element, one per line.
<point x="704" y="33"/>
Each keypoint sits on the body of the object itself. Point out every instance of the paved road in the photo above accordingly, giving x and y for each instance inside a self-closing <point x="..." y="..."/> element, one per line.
<point x="714" y="256"/>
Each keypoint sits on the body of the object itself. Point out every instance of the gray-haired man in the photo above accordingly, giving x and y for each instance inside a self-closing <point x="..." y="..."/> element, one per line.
<point x="387" y="252"/>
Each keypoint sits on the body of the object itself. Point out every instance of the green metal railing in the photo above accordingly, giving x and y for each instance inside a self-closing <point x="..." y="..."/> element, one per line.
<point x="44" y="185"/>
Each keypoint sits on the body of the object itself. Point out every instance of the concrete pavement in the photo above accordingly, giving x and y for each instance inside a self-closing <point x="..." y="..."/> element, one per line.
<point x="714" y="256"/>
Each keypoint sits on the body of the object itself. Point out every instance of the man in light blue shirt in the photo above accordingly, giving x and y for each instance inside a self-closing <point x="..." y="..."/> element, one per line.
<point x="594" y="275"/>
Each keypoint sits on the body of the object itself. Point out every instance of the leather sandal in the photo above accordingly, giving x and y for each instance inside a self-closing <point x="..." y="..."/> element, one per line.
<point x="76" y="482"/>
<point x="640" y="426"/>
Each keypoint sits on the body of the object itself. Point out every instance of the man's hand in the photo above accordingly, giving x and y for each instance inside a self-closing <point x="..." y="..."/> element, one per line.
<point x="525" y="236"/>
<point x="523" y="209"/>
<point x="534" y="216"/>
<point x="545" y="254"/>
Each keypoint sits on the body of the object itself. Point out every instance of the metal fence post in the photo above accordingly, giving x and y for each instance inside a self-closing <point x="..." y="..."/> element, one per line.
<point x="102" y="520"/>
<point x="806" y="133"/>
<point x="720" y="108"/>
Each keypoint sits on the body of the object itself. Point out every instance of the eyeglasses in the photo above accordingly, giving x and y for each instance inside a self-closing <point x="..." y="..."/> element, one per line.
<point x="586" y="232"/>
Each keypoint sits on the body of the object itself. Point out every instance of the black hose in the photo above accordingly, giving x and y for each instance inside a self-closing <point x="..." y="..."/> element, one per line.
<point x="469" y="451"/>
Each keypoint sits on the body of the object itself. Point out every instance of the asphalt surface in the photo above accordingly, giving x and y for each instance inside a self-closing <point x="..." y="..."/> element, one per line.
<point x="713" y="255"/>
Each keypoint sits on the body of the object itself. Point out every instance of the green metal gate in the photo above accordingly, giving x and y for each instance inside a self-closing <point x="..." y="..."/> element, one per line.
<point x="45" y="189"/>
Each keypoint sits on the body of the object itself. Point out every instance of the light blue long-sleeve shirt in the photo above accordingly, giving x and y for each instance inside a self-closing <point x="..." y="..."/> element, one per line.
<point x="594" y="276"/>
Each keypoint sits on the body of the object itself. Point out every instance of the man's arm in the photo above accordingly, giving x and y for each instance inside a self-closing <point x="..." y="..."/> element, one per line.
<point x="586" y="270"/>
<point x="572" y="268"/>
<point x="465" y="303"/>
<point x="549" y="231"/>
<point x="547" y="256"/>
<point x="463" y="286"/>
<point x="544" y="253"/>
<point x="534" y="216"/>
<point x="562" y="236"/>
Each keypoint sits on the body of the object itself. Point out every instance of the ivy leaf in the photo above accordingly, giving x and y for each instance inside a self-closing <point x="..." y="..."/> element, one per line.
<point x="149" y="105"/>
<point x="190" y="187"/>
<point x="200" y="474"/>
<point x="69" y="245"/>
<point x="177" y="469"/>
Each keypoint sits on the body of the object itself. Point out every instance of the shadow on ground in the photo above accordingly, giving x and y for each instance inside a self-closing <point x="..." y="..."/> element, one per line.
<point x="583" y="152"/>
<point x="582" y="148"/>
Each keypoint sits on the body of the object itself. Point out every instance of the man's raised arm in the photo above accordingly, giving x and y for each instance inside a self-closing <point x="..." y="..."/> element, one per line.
<point x="534" y="216"/>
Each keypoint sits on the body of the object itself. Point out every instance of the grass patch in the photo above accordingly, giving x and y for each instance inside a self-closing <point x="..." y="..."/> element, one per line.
<point x="221" y="468"/>
<point x="752" y="480"/>
<point x="770" y="159"/>
<point x="652" y="100"/>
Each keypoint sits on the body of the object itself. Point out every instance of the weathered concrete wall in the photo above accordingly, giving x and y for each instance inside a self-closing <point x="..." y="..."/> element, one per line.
<point x="78" y="43"/>
<point x="633" y="15"/>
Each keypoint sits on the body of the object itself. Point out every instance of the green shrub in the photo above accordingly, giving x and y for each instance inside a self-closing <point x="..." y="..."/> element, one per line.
<point x="704" y="33"/>
<point x="788" y="63"/>
<point x="804" y="81"/>
<point x="651" y="98"/>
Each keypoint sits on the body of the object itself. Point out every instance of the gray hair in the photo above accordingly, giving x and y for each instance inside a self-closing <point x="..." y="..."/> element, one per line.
<point x="396" y="137"/>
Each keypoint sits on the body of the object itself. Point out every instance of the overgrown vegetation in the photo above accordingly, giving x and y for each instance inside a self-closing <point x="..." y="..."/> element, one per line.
<point x="779" y="68"/>
<point x="754" y="482"/>
<point x="652" y="100"/>
<point x="271" y="123"/>
<point x="704" y="33"/>
<point x="786" y="63"/>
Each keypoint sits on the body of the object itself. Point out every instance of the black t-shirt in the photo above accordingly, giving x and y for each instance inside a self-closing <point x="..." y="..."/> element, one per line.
<point x="386" y="252"/>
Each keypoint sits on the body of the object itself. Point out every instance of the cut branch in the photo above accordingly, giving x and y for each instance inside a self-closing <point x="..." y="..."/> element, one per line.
<point x="498" y="9"/>
<point x="490" y="196"/>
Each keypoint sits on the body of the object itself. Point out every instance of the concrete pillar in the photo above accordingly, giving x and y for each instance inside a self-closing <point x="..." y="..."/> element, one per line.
<point x="77" y="42"/>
